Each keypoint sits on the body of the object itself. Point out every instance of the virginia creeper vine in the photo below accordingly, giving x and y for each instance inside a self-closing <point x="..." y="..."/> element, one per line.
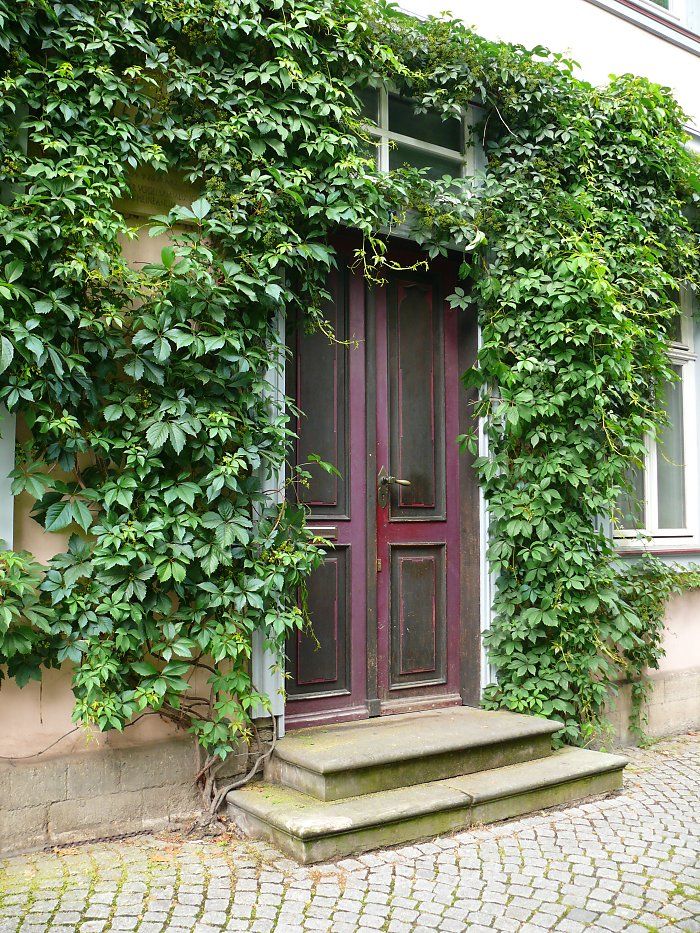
<point x="145" y="391"/>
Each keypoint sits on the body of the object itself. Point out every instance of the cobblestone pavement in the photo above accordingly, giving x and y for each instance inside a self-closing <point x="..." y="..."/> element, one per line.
<point x="629" y="862"/>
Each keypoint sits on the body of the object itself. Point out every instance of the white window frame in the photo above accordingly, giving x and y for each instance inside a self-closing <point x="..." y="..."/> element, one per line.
<point x="675" y="12"/>
<point x="652" y="537"/>
<point x="469" y="159"/>
<point x="670" y="25"/>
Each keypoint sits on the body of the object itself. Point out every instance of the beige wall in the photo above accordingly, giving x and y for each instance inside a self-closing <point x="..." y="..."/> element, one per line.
<point x="682" y="639"/>
<point x="36" y="716"/>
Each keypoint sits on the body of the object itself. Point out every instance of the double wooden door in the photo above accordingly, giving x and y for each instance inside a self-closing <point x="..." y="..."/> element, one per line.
<point x="381" y="403"/>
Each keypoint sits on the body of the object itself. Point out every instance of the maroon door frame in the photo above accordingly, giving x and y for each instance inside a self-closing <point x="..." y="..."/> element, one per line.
<point x="365" y="535"/>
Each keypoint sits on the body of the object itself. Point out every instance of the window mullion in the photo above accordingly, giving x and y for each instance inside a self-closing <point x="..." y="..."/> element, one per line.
<point x="384" y="127"/>
<point x="690" y="447"/>
<point x="651" y="499"/>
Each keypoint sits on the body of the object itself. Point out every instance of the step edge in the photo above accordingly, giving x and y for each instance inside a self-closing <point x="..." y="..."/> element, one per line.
<point x="296" y="776"/>
<point x="299" y="761"/>
<point x="469" y="801"/>
<point x="310" y="834"/>
<point x="615" y="763"/>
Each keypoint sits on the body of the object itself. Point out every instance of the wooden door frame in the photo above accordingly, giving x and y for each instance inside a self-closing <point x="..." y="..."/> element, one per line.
<point x="469" y="629"/>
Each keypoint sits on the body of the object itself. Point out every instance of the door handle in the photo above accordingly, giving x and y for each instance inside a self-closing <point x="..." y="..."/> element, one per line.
<point x="384" y="481"/>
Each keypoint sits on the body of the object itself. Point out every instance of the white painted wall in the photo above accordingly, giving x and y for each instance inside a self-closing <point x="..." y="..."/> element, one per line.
<point x="602" y="43"/>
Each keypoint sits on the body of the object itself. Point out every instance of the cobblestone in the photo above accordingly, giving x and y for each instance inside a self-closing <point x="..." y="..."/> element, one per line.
<point x="625" y="863"/>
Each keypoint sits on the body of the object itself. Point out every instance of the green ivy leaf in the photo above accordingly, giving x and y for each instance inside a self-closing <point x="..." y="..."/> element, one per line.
<point x="157" y="434"/>
<point x="7" y="352"/>
<point x="59" y="515"/>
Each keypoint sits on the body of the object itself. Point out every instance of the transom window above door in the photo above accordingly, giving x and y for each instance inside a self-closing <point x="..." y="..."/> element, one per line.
<point x="420" y="139"/>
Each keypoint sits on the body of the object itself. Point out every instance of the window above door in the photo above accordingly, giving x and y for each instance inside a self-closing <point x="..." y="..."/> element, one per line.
<point x="407" y="134"/>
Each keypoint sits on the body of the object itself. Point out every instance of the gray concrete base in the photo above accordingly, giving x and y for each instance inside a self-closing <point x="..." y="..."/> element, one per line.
<point x="74" y="798"/>
<point x="673" y="706"/>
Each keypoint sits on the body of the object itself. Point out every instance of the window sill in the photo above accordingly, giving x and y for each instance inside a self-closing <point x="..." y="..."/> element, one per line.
<point x="659" y="546"/>
<point x="657" y="23"/>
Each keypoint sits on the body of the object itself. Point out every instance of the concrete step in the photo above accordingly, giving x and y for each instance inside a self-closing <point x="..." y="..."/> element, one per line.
<point x="312" y="830"/>
<point x="349" y="759"/>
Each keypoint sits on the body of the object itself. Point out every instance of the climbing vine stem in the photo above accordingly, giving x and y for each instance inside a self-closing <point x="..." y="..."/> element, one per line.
<point x="143" y="390"/>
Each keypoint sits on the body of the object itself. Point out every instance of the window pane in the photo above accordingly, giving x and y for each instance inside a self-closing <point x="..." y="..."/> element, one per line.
<point x="670" y="470"/>
<point x="369" y="98"/>
<point x="416" y="158"/>
<point x="631" y="512"/>
<point x="663" y="3"/>
<point x="676" y="329"/>
<point x="428" y="126"/>
<point x="675" y="326"/>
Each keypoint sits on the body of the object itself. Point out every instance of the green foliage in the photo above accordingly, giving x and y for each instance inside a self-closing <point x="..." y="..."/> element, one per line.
<point x="26" y="632"/>
<point x="578" y="298"/>
<point x="146" y="391"/>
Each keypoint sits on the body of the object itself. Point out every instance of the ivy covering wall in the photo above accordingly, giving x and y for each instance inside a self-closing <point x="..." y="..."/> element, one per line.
<point x="145" y="390"/>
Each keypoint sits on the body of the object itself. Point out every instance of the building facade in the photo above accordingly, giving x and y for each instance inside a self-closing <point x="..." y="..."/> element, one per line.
<point x="397" y="623"/>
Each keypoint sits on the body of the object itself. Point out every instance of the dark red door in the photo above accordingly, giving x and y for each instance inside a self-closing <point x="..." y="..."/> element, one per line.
<point x="380" y="404"/>
<point x="417" y="524"/>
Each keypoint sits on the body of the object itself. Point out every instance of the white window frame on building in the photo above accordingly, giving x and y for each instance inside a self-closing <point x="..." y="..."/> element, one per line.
<point x="679" y="23"/>
<point x="467" y="159"/>
<point x="653" y="536"/>
<point x="675" y="10"/>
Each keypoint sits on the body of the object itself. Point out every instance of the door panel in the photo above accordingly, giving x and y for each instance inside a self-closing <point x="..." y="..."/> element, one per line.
<point x="321" y="661"/>
<point x="416" y="399"/>
<point x="418" y="527"/>
<point x="321" y="392"/>
<point x="326" y="379"/>
<point x="418" y="619"/>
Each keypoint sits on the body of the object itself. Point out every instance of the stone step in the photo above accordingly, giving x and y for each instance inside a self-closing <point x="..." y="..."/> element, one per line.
<point x="349" y="759"/>
<point x="312" y="830"/>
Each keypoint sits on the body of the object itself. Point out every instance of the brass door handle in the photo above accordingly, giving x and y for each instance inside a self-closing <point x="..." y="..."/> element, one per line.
<point x="384" y="481"/>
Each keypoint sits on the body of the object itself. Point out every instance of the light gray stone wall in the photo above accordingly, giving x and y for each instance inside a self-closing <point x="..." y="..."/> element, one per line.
<point x="74" y="798"/>
<point x="673" y="706"/>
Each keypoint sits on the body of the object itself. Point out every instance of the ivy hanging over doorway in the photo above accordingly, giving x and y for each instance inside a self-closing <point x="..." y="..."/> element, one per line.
<point x="151" y="442"/>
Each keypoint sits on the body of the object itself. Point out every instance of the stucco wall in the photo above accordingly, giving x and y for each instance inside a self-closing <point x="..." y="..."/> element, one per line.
<point x="682" y="640"/>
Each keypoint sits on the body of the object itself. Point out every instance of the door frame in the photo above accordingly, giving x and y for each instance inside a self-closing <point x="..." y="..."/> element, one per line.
<point x="470" y="558"/>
